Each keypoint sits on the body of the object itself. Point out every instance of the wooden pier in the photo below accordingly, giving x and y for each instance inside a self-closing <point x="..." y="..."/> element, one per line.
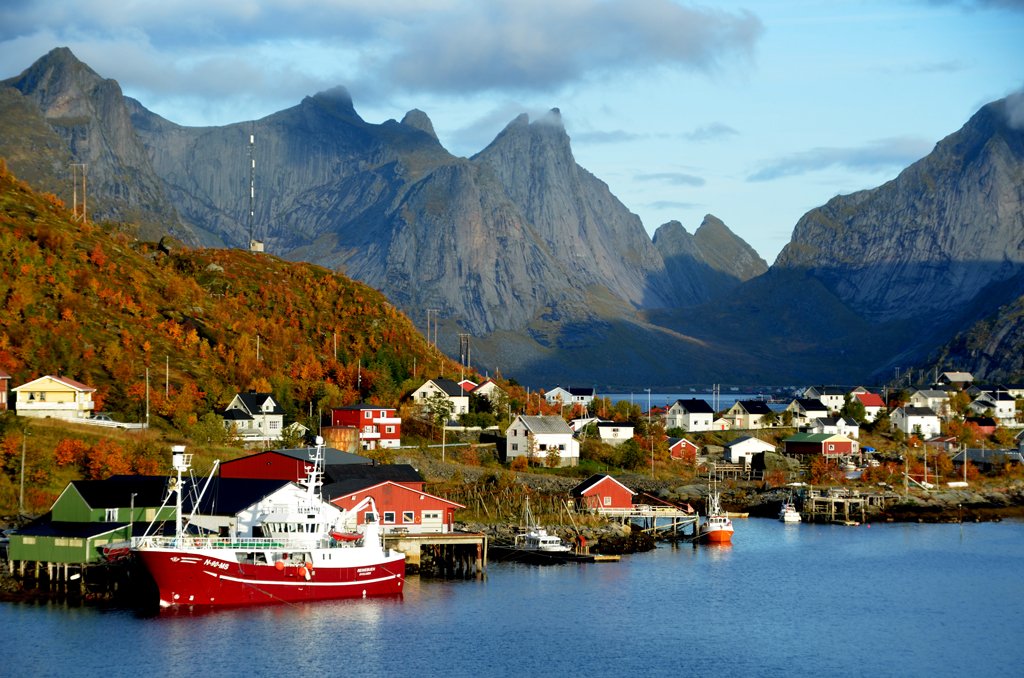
<point x="839" y="505"/>
<point x="461" y="555"/>
<point x="668" y="522"/>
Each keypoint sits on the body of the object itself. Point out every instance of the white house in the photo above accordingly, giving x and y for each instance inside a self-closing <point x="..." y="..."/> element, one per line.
<point x="831" y="396"/>
<point x="446" y="387"/>
<point x="934" y="399"/>
<point x="488" y="389"/>
<point x="1001" y="404"/>
<point x="573" y="395"/>
<point x="742" y="450"/>
<point x="956" y="380"/>
<point x="538" y="436"/>
<point x="806" y="410"/>
<point x="749" y="414"/>
<point x="921" y="421"/>
<point x="837" y="426"/>
<point x="690" y="414"/>
<point x="55" y="397"/>
<point x="615" y="432"/>
<point x="255" y="416"/>
<point x="873" y="405"/>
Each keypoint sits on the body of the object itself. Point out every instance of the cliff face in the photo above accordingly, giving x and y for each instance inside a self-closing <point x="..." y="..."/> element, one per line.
<point x="709" y="263"/>
<point x="83" y="119"/>
<point x="929" y="242"/>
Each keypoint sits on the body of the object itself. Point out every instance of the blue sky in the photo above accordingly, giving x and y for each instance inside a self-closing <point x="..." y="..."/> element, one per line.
<point x="752" y="111"/>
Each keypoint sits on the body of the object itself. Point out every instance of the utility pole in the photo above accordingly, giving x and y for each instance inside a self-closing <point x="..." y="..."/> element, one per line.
<point x="21" y="494"/>
<point x="74" y="190"/>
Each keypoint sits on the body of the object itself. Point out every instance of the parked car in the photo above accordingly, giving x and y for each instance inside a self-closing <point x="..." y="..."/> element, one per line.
<point x="102" y="416"/>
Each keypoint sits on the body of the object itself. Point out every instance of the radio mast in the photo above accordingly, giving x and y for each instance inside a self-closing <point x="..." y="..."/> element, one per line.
<point x="254" y="245"/>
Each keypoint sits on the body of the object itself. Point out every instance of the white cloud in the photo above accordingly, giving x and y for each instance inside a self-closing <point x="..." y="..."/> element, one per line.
<point x="897" y="152"/>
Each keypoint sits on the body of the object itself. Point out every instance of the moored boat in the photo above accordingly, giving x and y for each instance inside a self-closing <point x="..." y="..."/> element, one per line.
<point x="303" y="555"/>
<point x="788" y="512"/>
<point x="717" y="526"/>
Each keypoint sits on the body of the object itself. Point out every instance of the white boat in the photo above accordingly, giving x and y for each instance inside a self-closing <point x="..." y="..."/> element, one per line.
<point x="788" y="512"/>
<point x="536" y="538"/>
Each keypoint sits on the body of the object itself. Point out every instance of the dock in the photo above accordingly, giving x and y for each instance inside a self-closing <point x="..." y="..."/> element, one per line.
<point x="668" y="522"/>
<point x="840" y="506"/>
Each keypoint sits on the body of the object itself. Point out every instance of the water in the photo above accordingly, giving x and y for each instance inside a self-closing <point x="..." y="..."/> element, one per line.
<point x="908" y="600"/>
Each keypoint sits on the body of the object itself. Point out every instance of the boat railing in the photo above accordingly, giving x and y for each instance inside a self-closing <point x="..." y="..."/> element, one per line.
<point x="237" y="543"/>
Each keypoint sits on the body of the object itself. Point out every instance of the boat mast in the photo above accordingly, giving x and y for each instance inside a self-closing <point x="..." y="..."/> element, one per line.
<point x="181" y="462"/>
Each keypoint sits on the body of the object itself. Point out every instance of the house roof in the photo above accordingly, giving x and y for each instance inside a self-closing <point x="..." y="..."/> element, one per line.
<point x="911" y="411"/>
<point x="672" y="442"/>
<point x="811" y="405"/>
<point x="695" y="405"/>
<point x="45" y="526"/>
<point x="362" y="407"/>
<point x="253" y="402"/>
<point x="745" y="439"/>
<point x="545" y="424"/>
<point x="341" y="480"/>
<point x="594" y="480"/>
<point x="931" y="393"/>
<point x="813" y="437"/>
<point x="70" y="383"/>
<point x="448" y="386"/>
<point x="956" y="377"/>
<point x="117" y="491"/>
<point x="399" y="487"/>
<point x="870" y="399"/>
<point x="615" y="424"/>
<point x="754" y="406"/>
<point x="229" y="496"/>
<point x="332" y="456"/>
<point x="236" y="414"/>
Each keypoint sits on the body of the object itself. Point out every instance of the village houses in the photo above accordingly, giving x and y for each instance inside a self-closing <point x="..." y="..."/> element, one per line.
<point x="254" y="416"/>
<point x="446" y="388"/>
<point x="920" y="421"/>
<point x="690" y="414"/>
<point x="54" y="397"/>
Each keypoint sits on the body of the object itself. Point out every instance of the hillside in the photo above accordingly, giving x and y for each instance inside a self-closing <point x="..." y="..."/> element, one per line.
<point x="90" y="302"/>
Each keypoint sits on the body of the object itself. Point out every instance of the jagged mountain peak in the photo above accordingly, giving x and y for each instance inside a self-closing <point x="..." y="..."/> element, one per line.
<point x="336" y="100"/>
<point x="59" y="82"/>
<point x="421" y="121"/>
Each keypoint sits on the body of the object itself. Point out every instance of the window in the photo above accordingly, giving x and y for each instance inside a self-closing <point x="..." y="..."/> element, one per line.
<point x="543" y="447"/>
<point x="607" y="501"/>
<point x="389" y="517"/>
<point x="389" y="429"/>
<point x="275" y="425"/>
<point x="515" y="447"/>
<point x="408" y="517"/>
<point x="367" y="414"/>
<point x="111" y="516"/>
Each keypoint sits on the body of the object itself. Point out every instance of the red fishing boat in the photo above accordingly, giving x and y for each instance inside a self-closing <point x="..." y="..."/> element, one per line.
<point x="717" y="526"/>
<point x="304" y="554"/>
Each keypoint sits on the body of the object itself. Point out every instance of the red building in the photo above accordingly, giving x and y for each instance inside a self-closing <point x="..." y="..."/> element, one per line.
<point x="285" y="464"/>
<point x="826" y="444"/>
<point x="404" y="509"/>
<point x="681" y="448"/>
<point x="602" y="492"/>
<point x="377" y="426"/>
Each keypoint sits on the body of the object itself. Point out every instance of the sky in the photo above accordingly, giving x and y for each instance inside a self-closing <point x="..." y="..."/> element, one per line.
<point x="755" y="111"/>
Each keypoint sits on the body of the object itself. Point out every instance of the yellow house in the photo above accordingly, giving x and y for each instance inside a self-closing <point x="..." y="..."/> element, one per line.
<point x="57" y="397"/>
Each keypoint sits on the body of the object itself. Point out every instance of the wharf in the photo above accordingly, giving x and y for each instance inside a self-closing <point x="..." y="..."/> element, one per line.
<point x="839" y="505"/>
<point x="661" y="521"/>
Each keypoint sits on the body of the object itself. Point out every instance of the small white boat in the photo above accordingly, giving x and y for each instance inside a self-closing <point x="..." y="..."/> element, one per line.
<point x="536" y="538"/>
<point x="788" y="512"/>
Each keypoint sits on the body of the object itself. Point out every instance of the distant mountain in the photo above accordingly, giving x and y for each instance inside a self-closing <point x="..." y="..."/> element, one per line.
<point x="709" y="263"/>
<point x="520" y="247"/>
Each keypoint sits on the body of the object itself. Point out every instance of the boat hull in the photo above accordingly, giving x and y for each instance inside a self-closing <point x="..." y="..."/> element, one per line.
<point x="719" y="536"/>
<point x="203" y="578"/>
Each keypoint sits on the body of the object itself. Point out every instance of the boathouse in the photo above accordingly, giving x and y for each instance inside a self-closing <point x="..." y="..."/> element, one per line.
<point x="602" y="492"/>
<point x="683" y="449"/>
<point x="826" y="444"/>
<point x="403" y="509"/>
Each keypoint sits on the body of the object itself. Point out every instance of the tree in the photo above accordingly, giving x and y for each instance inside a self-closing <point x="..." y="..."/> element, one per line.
<point x="854" y="409"/>
<point x="440" y="408"/>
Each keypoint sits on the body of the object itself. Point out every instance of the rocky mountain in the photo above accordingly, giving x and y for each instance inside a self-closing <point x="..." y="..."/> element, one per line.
<point x="520" y="247"/>
<point x="709" y="263"/>
<point x="60" y="112"/>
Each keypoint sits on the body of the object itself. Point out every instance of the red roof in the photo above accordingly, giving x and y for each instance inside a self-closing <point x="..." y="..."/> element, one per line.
<point x="870" y="399"/>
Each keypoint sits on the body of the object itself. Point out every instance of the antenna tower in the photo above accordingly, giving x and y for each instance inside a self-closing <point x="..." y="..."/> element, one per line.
<point x="254" y="245"/>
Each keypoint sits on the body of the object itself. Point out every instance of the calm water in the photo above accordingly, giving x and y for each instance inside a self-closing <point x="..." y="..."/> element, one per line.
<point x="885" y="600"/>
